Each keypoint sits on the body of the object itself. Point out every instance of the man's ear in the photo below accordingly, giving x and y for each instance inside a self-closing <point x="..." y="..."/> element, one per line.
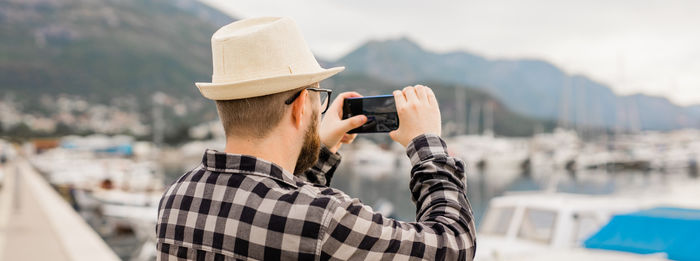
<point x="298" y="109"/>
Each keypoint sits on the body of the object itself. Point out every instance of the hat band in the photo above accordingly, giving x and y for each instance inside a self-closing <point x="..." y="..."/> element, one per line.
<point x="290" y="70"/>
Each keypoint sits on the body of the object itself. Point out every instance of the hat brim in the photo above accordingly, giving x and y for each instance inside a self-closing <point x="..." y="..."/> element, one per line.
<point x="262" y="86"/>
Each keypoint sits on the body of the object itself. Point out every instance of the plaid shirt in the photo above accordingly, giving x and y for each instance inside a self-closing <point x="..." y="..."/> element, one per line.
<point x="240" y="207"/>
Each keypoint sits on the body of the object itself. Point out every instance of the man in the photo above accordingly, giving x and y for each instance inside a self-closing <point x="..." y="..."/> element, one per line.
<point x="266" y="196"/>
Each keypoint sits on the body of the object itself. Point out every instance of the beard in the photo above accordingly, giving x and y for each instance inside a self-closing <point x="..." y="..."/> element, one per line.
<point x="310" y="149"/>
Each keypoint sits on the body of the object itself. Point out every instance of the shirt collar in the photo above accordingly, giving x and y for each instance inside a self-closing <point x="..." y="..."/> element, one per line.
<point x="218" y="161"/>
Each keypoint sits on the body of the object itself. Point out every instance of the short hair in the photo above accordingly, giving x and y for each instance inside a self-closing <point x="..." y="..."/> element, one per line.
<point x="256" y="116"/>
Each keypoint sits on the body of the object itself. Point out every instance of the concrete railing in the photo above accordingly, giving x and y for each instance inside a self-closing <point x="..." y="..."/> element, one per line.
<point x="79" y="240"/>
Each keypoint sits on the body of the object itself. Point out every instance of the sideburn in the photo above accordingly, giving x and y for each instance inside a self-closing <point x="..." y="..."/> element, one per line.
<point x="310" y="149"/>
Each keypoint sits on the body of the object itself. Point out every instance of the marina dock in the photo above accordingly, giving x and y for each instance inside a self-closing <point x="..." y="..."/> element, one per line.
<point x="37" y="224"/>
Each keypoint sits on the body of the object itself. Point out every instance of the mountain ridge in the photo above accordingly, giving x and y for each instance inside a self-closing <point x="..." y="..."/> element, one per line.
<point x="535" y="87"/>
<point x="124" y="51"/>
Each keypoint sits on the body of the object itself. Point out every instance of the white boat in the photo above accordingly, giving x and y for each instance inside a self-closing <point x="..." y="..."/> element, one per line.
<point x="137" y="211"/>
<point x="370" y="161"/>
<point x="134" y="210"/>
<point x="83" y="170"/>
<point x="680" y="193"/>
<point x="554" y="150"/>
<point x="500" y="160"/>
<point x="541" y="226"/>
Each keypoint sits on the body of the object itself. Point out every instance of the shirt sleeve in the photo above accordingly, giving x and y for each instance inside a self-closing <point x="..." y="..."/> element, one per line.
<point x="322" y="172"/>
<point x="444" y="227"/>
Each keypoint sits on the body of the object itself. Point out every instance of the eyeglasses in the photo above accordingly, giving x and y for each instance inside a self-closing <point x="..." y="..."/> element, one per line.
<point x="325" y="95"/>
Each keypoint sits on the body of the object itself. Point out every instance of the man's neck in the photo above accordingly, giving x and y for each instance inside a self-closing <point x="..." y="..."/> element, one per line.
<point x="273" y="148"/>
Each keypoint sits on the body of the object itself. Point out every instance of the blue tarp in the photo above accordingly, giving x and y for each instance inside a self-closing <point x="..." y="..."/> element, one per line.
<point x="674" y="231"/>
<point x="124" y="150"/>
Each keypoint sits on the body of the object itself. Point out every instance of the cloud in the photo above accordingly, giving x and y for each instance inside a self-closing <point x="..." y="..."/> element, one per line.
<point x="634" y="46"/>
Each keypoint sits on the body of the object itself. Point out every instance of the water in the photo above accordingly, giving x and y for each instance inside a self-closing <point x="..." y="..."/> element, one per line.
<point x="482" y="187"/>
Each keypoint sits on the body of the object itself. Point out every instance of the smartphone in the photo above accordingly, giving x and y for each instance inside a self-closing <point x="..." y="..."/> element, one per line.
<point x="380" y="111"/>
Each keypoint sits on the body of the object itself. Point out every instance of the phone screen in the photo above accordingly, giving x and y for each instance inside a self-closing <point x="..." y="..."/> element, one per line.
<point x="380" y="111"/>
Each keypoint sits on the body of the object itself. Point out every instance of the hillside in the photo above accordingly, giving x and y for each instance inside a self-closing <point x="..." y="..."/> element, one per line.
<point x="114" y="55"/>
<point x="103" y="49"/>
<point x="533" y="87"/>
<point x="118" y="53"/>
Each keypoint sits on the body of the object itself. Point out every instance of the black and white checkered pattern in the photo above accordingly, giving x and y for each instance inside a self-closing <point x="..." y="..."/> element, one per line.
<point x="241" y="207"/>
<point x="322" y="171"/>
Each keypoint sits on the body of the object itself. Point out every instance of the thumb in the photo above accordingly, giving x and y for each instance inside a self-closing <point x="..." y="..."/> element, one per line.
<point x="393" y="134"/>
<point x="353" y="122"/>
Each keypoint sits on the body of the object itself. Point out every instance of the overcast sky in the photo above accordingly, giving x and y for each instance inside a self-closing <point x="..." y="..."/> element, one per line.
<point x="635" y="46"/>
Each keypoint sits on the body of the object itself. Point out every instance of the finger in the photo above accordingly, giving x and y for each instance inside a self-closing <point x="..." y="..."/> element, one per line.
<point x="431" y="96"/>
<point x="336" y="108"/>
<point x="352" y="122"/>
<point x="348" y="141"/>
<point x="393" y="134"/>
<point x="410" y="93"/>
<point x="338" y="101"/>
<point x="349" y="95"/>
<point x="348" y="138"/>
<point x="399" y="99"/>
<point x="422" y="93"/>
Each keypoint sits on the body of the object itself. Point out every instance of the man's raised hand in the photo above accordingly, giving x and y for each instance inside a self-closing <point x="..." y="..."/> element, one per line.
<point x="333" y="129"/>
<point x="419" y="113"/>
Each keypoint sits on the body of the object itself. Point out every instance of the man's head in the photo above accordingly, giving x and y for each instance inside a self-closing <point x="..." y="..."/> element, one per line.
<point x="258" y="118"/>
<point x="257" y="63"/>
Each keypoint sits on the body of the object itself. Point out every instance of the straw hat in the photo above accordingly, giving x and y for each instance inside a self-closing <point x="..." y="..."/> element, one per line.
<point x="260" y="56"/>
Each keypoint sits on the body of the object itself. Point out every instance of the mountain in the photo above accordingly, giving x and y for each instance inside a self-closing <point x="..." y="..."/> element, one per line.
<point x="115" y="54"/>
<point x="118" y="53"/>
<point x="105" y="49"/>
<point x="695" y="110"/>
<point x="533" y="87"/>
